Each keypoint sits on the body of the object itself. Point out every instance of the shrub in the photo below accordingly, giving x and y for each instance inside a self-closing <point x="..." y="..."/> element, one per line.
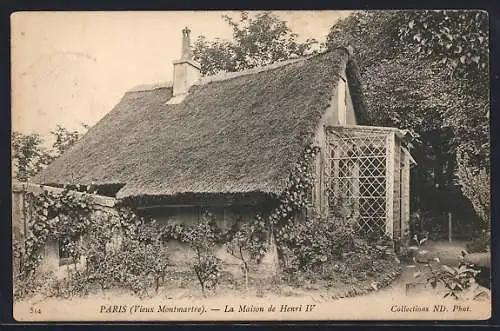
<point x="480" y="244"/>
<point x="76" y="283"/>
<point x="316" y="242"/>
<point x="475" y="184"/>
<point x="360" y="264"/>
<point x="248" y="245"/>
<point x="137" y="261"/>
<point x="29" y="285"/>
<point x="202" y="237"/>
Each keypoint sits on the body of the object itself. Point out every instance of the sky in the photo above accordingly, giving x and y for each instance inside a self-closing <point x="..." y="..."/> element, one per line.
<point x="70" y="68"/>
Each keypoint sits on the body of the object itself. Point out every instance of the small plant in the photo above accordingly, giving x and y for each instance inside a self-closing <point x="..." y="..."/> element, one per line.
<point x="459" y="282"/>
<point x="202" y="237"/>
<point x="412" y="252"/>
<point x="207" y="268"/>
<point x="248" y="245"/>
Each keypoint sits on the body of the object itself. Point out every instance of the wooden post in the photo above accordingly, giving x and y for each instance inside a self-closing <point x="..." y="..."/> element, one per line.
<point x="389" y="173"/>
<point x="449" y="227"/>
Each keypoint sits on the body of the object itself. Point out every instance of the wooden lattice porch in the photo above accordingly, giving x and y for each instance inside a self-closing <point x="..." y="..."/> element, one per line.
<point x="369" y="168"/>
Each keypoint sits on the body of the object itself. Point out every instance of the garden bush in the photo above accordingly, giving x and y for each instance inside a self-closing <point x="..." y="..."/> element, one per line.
<point x="312" y="243"/>
<point x="201" y="238"/>
<point x="480" y="244"/>
<point x="137" y="261"/>
<point x="362" y="263"/>
<point x="29" y="285"/>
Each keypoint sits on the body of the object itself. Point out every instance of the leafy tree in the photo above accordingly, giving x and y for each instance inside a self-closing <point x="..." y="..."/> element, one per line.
<point x="202" y="237"/>
<point x="65" y="138"/>
<point x="373" y="35"/>
<point x="257" y="41"/>
<point x="456" y="42"/>
<point x="30" y="155"/>
<point x="248" y="244"/>
<point x="426" y="71"/>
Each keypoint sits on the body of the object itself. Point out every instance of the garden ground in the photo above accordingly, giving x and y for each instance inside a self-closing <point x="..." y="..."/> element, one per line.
<point x="186" y="290"/>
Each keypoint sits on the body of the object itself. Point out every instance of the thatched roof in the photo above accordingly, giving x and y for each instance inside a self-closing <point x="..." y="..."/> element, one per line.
<point x="238" y="134"/>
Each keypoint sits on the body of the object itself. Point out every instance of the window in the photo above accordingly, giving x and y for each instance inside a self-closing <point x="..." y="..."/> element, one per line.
<point x="341" y="105"/>
<point x="66" y="248"/>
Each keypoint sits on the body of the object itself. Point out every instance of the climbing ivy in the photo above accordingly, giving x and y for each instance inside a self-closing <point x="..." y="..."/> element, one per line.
<point x="121" y="248"/>
<point x="295" y="199"/>
<point x="297" y="196"/>
<point x="53" y="216"/>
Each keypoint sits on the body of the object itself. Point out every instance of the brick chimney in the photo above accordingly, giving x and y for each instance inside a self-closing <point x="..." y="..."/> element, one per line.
<point x="186" y="70"/>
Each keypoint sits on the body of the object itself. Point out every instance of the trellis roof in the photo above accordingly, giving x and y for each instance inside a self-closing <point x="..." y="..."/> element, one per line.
<point x="238" y="133"/>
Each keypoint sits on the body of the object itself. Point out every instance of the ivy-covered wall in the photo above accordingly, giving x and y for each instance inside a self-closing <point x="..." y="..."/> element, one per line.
<point x="37" y="229"/>
<point x="44" y="230"/>
<point x="226" y="219"/>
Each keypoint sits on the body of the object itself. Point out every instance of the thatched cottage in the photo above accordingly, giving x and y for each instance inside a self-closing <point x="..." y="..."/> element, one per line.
<point x="227" y="144"/>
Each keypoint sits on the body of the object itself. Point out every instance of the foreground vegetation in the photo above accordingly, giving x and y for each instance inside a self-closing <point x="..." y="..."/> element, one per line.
<point x="324" y="256"/>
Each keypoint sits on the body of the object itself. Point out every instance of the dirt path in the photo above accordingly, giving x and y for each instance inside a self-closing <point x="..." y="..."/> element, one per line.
<point x="448" y="253"/>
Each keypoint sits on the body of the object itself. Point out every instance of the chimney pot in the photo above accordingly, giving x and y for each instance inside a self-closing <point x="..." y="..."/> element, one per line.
<point x="186" y="70"/>
<point x="186" y="45"/>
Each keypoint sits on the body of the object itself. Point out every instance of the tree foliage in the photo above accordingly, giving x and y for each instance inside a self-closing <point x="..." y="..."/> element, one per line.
<point x="456" y="43"/>
<point x="65" y="138"/>
<point x="475" y="183"/>
<point x="426" y="71"/>
<point x="29" y="156"/>
<point x="30" y="152"/>
<point x="437" y="58"/>
<point x="457" y="40"/>
<point x="373" y="35"/>
<point x="257" y="41"/>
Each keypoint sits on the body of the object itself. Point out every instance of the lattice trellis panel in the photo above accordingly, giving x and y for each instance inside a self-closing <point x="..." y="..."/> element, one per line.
<point x="359" y="173"/>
